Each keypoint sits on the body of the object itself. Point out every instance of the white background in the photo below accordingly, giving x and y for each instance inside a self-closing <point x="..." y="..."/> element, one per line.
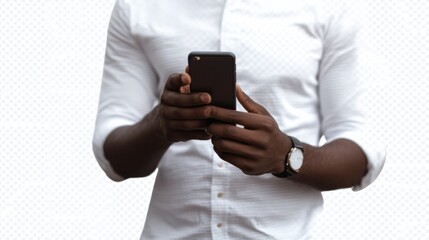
<point x="51" y="58"/>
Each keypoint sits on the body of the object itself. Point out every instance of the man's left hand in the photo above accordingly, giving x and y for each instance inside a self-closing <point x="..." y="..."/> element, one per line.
<point x="256" y="148"/>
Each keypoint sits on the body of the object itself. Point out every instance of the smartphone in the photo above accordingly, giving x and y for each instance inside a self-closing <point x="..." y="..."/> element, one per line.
<point x="214" y="73"/>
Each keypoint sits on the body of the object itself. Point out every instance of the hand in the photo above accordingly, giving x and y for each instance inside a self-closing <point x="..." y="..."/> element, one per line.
<point x="260" y="147"/>
<point x="183" y="115"/>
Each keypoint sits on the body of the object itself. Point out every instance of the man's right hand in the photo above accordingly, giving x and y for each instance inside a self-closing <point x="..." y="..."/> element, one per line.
<point x="183" y="115"/>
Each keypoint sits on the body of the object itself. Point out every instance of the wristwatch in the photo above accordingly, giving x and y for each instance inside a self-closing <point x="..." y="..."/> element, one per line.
<point x="294" y="159"/>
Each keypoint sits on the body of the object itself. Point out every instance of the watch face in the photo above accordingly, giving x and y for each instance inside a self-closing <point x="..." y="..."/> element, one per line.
<point x="296" y="159"/>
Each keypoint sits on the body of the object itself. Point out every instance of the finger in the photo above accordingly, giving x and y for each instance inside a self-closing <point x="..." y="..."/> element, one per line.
<point x="241" y="163"/>
<point x="183" y="136"/>
<point x="186" y="125"/>
<point x="187" y="69"/>
<point x="172" y="98"/>
<point x="236" y="148"/>
<point x="177" y="80"/>
<point x="237" y="134"/>
<point x="248" y="120"/>
<point x="248" y="103"/>
<point x="186" y="88"/>
<point x="182" y="113"/>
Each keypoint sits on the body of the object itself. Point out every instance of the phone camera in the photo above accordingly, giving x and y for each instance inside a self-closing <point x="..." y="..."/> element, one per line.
<point x="196" y="58"/>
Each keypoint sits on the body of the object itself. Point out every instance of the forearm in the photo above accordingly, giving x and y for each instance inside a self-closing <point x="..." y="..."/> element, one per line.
<point x="135" y="151"/>
<point x="339" y="164"/>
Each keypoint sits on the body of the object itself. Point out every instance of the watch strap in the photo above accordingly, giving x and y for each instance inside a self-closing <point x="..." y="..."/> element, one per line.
<point x="296" y="143"/>
<point x="285" y="174"/>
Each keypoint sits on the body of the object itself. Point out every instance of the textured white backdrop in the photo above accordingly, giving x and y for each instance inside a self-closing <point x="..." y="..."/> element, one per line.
<point x="51" y="56"/>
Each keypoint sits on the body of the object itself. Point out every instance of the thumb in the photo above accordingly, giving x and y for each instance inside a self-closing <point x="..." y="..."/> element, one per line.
<point x="248" y="103"/>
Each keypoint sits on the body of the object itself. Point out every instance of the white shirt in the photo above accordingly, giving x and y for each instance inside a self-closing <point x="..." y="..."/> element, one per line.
<point x="299" y="59"/>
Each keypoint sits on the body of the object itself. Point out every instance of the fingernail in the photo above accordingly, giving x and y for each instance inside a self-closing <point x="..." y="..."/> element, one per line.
<point x="184" y="78"/>
<point x="185" y="89"/>
<point x="208" y="112"/>
<point x="207" y="132"/>
<point x="205" y="98"/>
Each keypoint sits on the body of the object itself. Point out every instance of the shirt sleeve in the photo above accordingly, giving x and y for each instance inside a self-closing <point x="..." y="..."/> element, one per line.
<point x="344" y="76"/>
<point x="128" y="85"/>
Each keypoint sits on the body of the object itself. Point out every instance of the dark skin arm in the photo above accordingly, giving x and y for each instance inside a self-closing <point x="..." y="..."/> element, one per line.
<point x="260" y="147"/>
<point x="135" y="151"/>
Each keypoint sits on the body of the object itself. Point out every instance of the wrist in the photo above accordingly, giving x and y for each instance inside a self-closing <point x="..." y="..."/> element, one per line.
<point x="285" y="149"/>
<point x="157" y="125"/>
<point x="293" y="160"/>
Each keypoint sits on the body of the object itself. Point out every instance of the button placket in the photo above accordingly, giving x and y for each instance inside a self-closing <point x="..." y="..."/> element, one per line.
<point x="229" y="41"/>
<point x="218" y="198"/>
<point x="220" y="164"/>
<point x="229" y="38"/>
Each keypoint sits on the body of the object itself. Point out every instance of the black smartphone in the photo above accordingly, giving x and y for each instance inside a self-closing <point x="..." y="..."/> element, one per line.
<point x="214" y="73"/>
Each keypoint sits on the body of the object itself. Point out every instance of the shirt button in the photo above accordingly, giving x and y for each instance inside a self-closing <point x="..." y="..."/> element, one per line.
<point x="219" y="225"/>
<point x="220" y="195"/>
<point x="220" y="164"/>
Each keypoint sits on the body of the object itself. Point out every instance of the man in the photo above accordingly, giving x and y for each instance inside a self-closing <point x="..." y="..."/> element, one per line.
<point x="298" y="66"/>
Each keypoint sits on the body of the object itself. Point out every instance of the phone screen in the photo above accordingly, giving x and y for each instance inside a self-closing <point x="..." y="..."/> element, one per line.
<point x="214" y="73"/>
